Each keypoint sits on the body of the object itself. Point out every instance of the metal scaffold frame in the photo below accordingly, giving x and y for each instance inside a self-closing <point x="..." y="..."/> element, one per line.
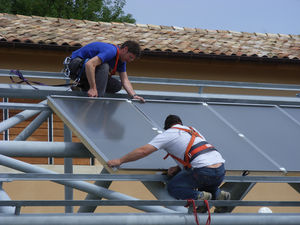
<point x="165" y="210"/>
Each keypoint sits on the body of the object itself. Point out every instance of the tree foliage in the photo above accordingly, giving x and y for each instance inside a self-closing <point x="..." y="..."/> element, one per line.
<point x="95" y="10"/>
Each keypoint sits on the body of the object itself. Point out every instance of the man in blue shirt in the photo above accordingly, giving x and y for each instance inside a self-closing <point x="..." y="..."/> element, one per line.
<point x="101" y="61"/>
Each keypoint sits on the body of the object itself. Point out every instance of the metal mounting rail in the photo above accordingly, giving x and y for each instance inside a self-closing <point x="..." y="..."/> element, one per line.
<point x="137" y="177"/>
<point x="35" y="74"/>
<point x="15" y="105"/>
<point x="167" y="81"/>
<point x="212" y="83"/>
<point x="145" y="202"/>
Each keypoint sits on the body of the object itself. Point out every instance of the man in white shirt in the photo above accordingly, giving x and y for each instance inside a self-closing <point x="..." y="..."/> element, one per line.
<point x="200" y="169"/>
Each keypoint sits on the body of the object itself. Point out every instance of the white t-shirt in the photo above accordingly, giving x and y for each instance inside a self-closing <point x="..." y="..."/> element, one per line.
<point x="175" y="141"/>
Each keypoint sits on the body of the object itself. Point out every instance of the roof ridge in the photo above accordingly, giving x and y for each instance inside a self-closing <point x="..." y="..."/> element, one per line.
<point x="153" y="38"/>
<point x="174" y="27"/>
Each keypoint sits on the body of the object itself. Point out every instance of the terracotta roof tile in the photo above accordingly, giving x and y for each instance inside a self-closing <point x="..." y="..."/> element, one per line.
<point x="153" y="38"/>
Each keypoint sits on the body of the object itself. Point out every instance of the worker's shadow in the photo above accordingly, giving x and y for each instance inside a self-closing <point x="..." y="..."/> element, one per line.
<point x="100" y="118"/>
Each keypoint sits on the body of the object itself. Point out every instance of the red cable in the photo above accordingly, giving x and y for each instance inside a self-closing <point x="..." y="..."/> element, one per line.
<point x="192" y="201"/>
<point x="189" y="201"/>
<point x="208" y="221"/>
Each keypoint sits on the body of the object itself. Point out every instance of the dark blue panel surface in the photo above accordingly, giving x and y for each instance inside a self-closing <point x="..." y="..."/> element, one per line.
<point x="110" y="129"/>
<point x="294" y="112"/>
<point x="272" y="131"/>
<point x="239" y="154"/>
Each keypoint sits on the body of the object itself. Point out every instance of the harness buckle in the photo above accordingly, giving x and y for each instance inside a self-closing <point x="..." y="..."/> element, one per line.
<point x="66" y="69"/>
<point x="76" y="82"/>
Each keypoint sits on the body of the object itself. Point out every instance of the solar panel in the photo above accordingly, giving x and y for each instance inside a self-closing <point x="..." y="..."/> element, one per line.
<point x="109" y="128"/>
<point x="238" y="153"/>
<point x="250" y="137"/>
<point x="270" y="130"/>
<point x="292" y="112"/>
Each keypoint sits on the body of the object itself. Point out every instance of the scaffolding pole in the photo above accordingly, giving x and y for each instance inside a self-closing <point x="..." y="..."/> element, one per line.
<point x="104" y="184"/>
<point x="4" y="196"/>
<point x="80" y="185"/>
<point x="20" y="117"/>
<point x="158" y="189"/>
<point x="35" y="124"/>
<point x="44" y="149"/>
<point x="151" y="219"/>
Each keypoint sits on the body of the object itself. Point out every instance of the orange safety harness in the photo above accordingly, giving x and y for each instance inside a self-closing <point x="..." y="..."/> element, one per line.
<point x="113" y="72"/>
<point x="192" y="151"/>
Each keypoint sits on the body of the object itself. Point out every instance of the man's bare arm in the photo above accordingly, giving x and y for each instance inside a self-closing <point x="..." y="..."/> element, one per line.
<point x="136" y="154"/>
<point x="128" y="87"/>
<point x="90" y="68"/>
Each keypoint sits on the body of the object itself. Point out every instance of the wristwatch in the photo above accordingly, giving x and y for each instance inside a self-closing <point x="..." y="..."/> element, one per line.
<point x="133" y="96"/>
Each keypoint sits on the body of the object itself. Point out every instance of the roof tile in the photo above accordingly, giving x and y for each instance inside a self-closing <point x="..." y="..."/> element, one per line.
<point x="153" y="38"/>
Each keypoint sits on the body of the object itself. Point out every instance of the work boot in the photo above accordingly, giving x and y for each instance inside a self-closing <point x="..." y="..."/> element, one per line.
<point x="203" y="196"/>
<point x="75" y="88"/>
<point x="224" y="195"/>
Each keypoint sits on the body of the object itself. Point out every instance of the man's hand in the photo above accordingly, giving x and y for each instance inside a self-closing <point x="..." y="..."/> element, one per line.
<point x="139" y="98"/>
<point x="114" y="163"/>
<point x="172" y="171"/>
<point x="92" y="93"/>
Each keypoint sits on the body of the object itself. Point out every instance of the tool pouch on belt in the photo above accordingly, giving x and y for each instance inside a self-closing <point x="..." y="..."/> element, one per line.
<point x="75" y="67"/>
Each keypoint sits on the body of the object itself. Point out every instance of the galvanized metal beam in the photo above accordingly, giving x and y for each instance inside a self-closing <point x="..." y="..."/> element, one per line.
<point x="80" y="185"/>
<point x="35" y="74"/>
<point x="212" y="83"/>
<point x="211" y="98"/>
<point x="5" y="117"/>
<point x="20" y="117"/>
<point x="296" y="186"/>
<point x="100" y="183"/>
<point x="4" y="197"/>
<point x="136" y="177"/>
<point x="22" y="106"/>
<point x="237" y="190"/>
<point x="158" y="189"/>
<point x="68" y="169"/>
<point x="182" y="203"/>
<point x="165" y="81"/>
<point x="25" y="91"/>
<point x="43" y="149"/>
<point x="151" y="219"/>
<point x="31" y="128"/>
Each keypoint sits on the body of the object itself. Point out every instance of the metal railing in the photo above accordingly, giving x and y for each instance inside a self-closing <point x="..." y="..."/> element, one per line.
<point x="167" y="81"/>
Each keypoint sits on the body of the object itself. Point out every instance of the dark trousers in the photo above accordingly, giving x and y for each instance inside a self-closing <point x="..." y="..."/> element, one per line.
<point x="188" y="184"/>
<point x="104" y="82"/>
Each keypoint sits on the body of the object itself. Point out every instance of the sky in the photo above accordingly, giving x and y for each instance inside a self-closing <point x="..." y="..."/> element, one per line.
<point x="261" y="16"/>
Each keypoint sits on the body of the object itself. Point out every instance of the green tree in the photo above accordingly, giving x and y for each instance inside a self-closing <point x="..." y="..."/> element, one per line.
<point x="95" y="10"/>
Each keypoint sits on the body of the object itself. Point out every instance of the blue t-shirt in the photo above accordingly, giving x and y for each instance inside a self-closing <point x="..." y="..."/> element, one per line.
<point x="106" y="52"/>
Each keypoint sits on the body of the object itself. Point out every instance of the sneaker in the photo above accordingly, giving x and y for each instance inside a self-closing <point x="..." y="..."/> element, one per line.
<point x="224" y="195"/>
<point x="203" y="196"/>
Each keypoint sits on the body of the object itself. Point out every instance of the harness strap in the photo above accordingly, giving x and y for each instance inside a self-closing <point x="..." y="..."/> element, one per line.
<point x="77" y="80"/>
<point x="192" y="151"/>
<point x="24" y="80"/>
<point x="113" y="72"/>
<point x="200" y="148"/>
<point x="176" y="158"/>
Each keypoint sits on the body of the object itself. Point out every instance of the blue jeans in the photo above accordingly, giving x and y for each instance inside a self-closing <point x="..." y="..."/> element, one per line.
<point x="188" y="184"/>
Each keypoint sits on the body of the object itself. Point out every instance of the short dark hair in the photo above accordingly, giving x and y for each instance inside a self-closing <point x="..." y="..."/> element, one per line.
<point x="172" y="120"/>
<point x="133" y="47"/>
